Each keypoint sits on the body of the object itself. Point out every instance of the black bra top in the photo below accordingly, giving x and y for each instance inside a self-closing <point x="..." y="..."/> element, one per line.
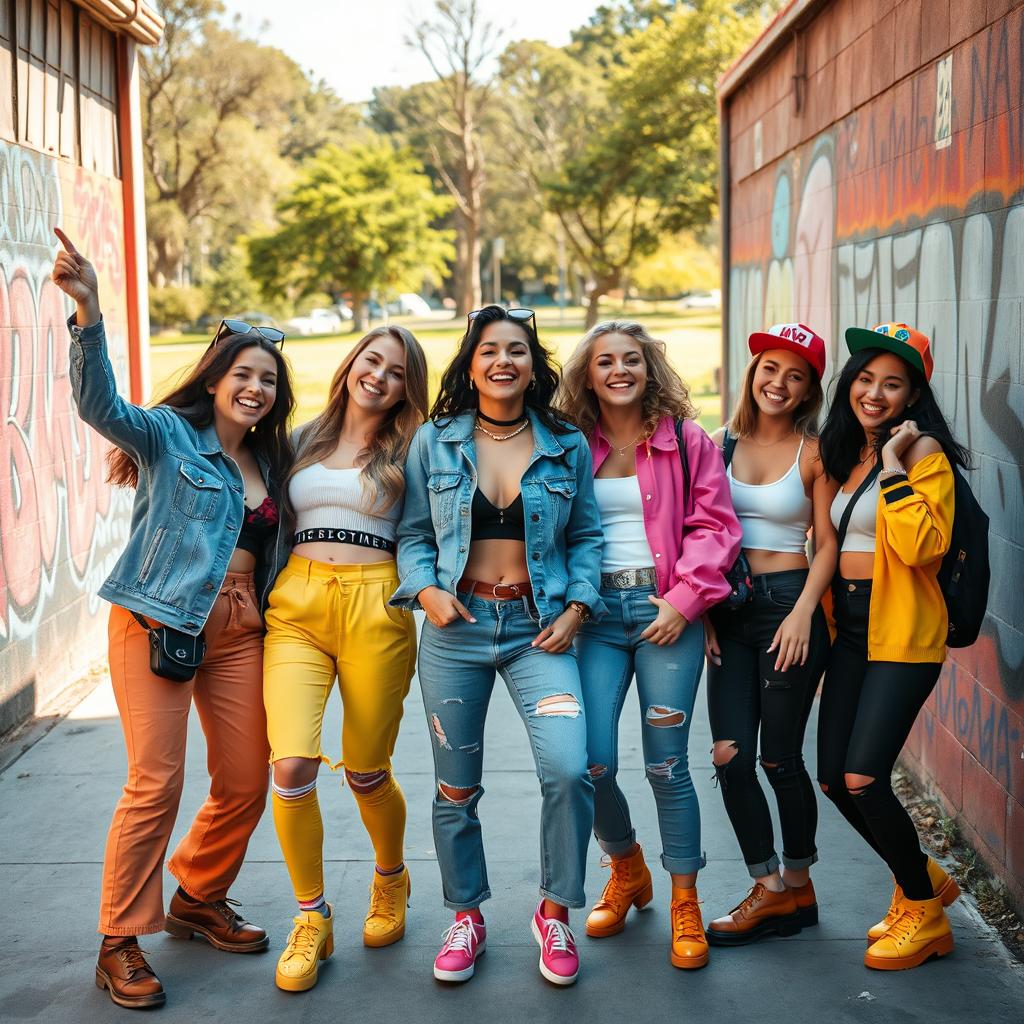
<point x="258" y="525"/>
<point x="492" y="523"/>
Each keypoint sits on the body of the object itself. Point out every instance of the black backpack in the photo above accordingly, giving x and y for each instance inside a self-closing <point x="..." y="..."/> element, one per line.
<point x="964" y="573"/>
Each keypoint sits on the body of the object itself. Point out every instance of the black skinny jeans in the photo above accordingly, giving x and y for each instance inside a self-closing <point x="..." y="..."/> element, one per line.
<point x="747" y="695"/>
<point x="867" y="711"/>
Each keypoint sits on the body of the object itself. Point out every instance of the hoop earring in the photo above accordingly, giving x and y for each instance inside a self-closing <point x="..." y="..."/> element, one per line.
<point x="472" y="386"/>
<point x="533" y="381"/>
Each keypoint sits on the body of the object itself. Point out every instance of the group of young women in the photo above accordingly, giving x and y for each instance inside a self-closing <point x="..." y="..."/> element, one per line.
<point x="568" y="533"/>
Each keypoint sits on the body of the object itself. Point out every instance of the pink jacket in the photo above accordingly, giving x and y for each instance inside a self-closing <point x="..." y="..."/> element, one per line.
<point x="693" y="546"/>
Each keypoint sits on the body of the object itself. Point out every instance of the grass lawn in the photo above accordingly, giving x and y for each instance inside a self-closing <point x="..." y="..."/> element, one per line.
<point x="693" y="340"/>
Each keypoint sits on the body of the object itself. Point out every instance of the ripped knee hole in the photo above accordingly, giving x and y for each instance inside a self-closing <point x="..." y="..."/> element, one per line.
<point x="367" y="782"/>
<point x="559" y="705"/>
<point x="456" y="794"/>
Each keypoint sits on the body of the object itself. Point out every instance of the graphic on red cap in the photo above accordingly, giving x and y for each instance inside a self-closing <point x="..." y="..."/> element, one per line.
<point x="797" y="338"/>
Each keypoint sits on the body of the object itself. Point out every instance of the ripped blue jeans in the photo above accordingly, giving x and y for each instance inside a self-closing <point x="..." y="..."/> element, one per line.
<point x="610" y="652"/>
<point x="457" y="666"/>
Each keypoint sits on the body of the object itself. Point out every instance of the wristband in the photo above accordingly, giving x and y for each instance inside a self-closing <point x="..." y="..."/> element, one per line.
<point x="891" y="472"/>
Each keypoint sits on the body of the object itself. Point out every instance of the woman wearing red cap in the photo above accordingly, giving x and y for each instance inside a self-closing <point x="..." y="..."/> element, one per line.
<point x="766" y="653"/>
<point x="886" y="439"/>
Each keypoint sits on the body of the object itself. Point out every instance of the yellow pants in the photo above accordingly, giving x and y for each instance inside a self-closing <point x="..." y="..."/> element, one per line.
<point x="327" y="622"/>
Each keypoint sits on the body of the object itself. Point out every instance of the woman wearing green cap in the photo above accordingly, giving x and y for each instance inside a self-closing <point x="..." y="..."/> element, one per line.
<point x="885" y="439"/>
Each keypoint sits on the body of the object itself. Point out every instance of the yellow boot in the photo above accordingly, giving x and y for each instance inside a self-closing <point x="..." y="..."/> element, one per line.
<point x="920" y="932"/>
<point x="689" y="944"/>
<point x="310" y="941"/>
<point x="944" y="886"/>
<point x="389" y="897"/>
<point x="629" y="886"/>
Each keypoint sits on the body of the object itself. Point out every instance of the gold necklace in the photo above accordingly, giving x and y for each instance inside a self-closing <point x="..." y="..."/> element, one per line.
<point x="502" y="437"/>
<point x="632" y="444"/>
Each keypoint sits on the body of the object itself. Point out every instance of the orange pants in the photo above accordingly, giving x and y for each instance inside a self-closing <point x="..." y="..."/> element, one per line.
<point x="228" y="691"/>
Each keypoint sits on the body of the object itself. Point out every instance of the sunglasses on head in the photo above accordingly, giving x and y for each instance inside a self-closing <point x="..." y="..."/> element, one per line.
<point x="229" y="327"/>
<point x="517" y="314"/>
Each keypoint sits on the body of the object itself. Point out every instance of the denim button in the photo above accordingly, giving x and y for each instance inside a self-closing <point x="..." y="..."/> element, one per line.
<point x="207" y="586"/>
<point x="462" y="550"/>
<point x="536" y="556"/>
<point x="540" y="593"/>
<point x="535" y="517"/>
<point x="190" y="625"/>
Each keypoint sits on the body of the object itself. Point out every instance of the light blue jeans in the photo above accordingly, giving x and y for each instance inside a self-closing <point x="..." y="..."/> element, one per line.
<point x="457" y="665"/>
<point x="610" y="652"/>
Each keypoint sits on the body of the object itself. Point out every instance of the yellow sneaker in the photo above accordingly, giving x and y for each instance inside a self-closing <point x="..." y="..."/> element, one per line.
<point x="944" y="886"/>
<point x="310" y="941"/>
<point x="920" y="932"/>
<point x="389" y="897"/>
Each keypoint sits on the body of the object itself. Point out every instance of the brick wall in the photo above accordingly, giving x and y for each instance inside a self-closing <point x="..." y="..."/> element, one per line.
<point x="876" y="172"/>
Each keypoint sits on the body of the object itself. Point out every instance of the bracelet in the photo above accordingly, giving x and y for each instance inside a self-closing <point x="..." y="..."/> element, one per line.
<point x="892" y="472"/>
<point x="581" y="610"/>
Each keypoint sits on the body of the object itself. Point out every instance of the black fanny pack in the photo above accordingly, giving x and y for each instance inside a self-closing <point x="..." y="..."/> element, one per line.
<point x="172" y="654"/>
<point x="358" y="537"/>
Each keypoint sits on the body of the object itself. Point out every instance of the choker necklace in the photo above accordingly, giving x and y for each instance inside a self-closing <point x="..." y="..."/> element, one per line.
<point x="501" y="423"/>
<point x="503" y="437"/>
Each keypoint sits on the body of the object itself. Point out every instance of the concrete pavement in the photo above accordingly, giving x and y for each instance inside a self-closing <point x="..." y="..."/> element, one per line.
<point x="55" y="806"/>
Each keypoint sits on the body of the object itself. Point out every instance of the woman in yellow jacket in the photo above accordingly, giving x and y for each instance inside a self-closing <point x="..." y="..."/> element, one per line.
<point x="886" y="440"/>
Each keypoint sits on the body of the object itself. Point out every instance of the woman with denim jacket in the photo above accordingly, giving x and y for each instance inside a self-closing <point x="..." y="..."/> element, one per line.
<point x="766" y="656"/>
<point x="499" y="544"/>
<point x="669" y="536"/>
<point x="205" y="545"/>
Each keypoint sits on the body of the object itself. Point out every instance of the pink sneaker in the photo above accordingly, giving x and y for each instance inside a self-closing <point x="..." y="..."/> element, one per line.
<point x="559" y="961"/>
<point x="463" y="943"/>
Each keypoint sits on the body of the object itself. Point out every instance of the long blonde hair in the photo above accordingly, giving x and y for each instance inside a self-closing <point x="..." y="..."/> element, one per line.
<point x="666" y="393"/>
<point x="743" y="422"/>
<point x="381" y="474"/>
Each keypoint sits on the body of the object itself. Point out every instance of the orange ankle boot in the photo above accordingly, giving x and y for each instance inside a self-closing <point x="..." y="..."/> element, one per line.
<point x="629" y="885"/>
<point x="920" y="932"/>
<point x="943" y="885"/>
<point x="689" y="946"/>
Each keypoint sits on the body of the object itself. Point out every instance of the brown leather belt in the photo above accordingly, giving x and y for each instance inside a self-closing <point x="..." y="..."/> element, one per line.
<point x="494" y="591"/>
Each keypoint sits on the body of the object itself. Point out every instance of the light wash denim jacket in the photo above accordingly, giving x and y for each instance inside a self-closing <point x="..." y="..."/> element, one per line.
<point x="563" y="526"/>
<point x="188" y="504"/>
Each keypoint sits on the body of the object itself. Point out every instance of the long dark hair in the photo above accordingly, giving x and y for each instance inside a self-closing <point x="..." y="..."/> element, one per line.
<point x="191" y="400"/>
<point x="842" y="436"/>
<point x="455" y="395"/>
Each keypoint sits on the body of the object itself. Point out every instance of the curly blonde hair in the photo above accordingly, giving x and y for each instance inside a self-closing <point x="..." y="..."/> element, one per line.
<point x="666" y="394"/>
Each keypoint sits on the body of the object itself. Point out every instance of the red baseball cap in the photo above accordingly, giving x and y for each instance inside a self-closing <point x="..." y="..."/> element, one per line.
<point x="901" y="340"/>
<point x="794" y="338"/>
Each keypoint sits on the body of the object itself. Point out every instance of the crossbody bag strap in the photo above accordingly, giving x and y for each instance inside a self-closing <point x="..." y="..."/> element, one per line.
<point x="142" y="622"/>
<point x="684" y="463"/>
<point x="844" y="522"/>
<point x="728" y="447"/>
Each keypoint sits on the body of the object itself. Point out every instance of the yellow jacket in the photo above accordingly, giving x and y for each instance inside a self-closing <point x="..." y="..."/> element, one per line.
<point x="908" y="620"/>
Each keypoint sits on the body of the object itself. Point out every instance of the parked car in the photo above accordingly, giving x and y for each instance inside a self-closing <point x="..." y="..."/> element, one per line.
<point x="410" y="304"/>
<point x="701" y="299"/>
<point x="318" y="321"/>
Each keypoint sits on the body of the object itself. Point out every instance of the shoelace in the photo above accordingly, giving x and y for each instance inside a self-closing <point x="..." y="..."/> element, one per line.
<point x="686" y="920"/>
<point x="134" y="960"/>
<point x="614" y="888"/>
<point x="460" y="937"/>
<point x="893" y="913"/>
<point x="385" y="900"/>
<point x="748" y="901"/>
<point x="223" y="907"/>
<point x="558" y="936"/>
<point x="905" y="924"/>
<point x="302" y="941"/>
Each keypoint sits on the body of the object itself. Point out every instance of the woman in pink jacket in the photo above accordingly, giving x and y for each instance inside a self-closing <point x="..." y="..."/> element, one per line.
<point x="670" y="535"/>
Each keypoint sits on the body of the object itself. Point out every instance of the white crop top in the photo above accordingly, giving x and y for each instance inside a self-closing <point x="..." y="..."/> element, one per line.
<point x="775" y="516"/>
<point x="860" y="531"/>
<point x="333" y="499"/>
<point x="622" y="522"/>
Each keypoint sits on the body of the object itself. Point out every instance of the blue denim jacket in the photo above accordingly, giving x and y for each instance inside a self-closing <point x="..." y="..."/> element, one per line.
<point x="188" y="504"/>
<point x="563" y="526"/>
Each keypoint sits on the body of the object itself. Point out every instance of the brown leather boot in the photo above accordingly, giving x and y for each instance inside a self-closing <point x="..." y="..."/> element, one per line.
<point x="763" y="912"/>
<point x="629" y="885"/>
<point x="689" y="946"/>
<point x="123" y="971"/>
<point x="216" y="922"/>
<point x="806" y="903"/>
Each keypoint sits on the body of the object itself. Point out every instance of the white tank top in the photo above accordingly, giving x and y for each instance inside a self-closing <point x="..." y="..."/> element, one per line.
<point x="622" y="522"/>
<point x="333" y="498"/>
<point x="775" y="516"/>
<point x="860" y="531"/>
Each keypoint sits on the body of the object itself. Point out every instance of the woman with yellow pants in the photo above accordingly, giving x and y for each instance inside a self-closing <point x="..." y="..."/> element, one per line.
<point x="328" y="618"/>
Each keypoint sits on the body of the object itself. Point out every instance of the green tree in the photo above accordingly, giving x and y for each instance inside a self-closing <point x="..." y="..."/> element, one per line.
<point x="357" y="219"/>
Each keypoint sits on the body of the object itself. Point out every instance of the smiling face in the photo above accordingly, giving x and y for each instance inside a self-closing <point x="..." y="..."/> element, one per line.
<point x="781" y="382"/>
<point x="881" y="391"/>
<point x="502" y="363"/>
<point x="617" y="370"/>
<point x="247" y="392"/>
<point x="376" y="378"/>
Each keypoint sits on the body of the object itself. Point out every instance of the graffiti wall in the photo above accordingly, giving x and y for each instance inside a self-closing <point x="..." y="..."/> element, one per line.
<point x="61" y="526"/>
<point x="896" y="192"/>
